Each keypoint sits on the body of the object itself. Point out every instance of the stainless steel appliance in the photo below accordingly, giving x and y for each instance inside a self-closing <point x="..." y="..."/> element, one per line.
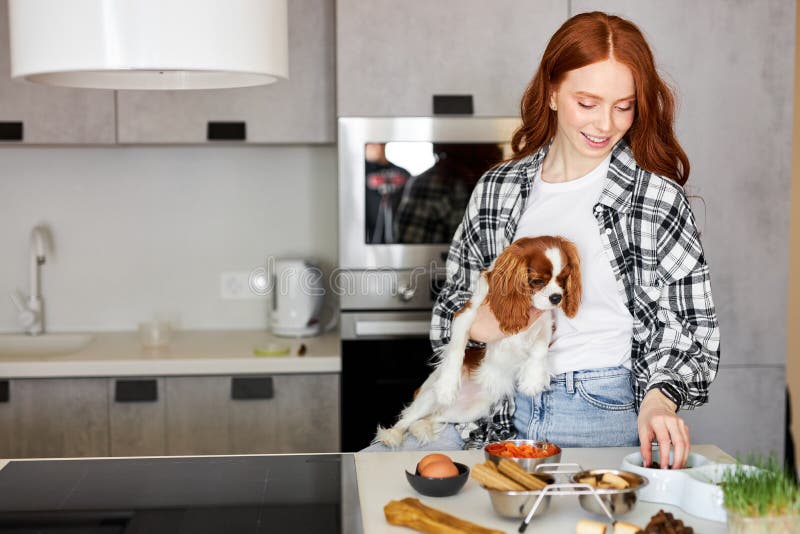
<point x="403" y="187"/>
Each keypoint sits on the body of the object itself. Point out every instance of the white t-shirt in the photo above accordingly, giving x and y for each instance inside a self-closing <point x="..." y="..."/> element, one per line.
<point x="600" y="333"/>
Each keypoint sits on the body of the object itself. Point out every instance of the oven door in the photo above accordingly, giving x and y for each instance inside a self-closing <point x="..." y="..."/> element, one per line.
<point x="385" y="358"/>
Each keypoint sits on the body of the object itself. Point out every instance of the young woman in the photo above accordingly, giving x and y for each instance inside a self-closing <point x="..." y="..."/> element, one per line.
<point x="596" y="161"/>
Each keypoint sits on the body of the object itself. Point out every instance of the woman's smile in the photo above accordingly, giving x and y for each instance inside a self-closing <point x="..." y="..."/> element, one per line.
<point x="595" y="141"/>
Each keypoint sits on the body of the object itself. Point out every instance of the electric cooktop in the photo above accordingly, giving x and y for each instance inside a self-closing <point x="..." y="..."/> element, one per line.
<point x="198" y="495"/>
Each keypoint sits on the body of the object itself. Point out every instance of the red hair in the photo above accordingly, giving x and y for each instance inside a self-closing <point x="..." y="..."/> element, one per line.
<point x="588" y="38"/>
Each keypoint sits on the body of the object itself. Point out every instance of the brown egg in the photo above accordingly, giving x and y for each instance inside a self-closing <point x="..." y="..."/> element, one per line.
<point x="441" y="469"/>
<point x="435" y="457"/>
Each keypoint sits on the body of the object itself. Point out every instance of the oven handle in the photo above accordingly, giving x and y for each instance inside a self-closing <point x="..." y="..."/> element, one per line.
<point x="392" y="328"/>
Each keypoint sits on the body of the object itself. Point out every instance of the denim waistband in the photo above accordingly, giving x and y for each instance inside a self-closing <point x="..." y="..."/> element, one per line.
<point x="569" y="378"/>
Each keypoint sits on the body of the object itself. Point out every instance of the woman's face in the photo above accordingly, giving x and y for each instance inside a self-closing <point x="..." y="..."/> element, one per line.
<point x="595" y="108"/>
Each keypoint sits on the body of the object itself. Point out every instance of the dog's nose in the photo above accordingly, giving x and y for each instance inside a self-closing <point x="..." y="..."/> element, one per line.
<point x="555" y="298"/>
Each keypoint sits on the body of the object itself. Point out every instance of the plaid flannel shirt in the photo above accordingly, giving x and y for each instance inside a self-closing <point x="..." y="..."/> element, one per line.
<point x="651" y="241"/>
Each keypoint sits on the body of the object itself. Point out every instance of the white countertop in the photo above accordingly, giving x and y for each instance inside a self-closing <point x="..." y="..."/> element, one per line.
<point x="207" y="352"/>
<point x="381" y="478"/>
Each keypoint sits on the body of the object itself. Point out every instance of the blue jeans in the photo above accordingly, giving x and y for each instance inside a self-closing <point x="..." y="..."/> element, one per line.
<point x="590" y="408"/>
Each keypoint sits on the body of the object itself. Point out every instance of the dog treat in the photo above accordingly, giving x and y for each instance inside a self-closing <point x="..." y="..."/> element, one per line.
<point x="616" y="481"/>
<point x="665" y="523"/>
<point x="607" y="481"/>
<point x="515" y="471"/>
<point x="492" y="479"/>
<point x="621" y="527"/>
<point x="411" y="513"/>
<point x="585" y="526"/>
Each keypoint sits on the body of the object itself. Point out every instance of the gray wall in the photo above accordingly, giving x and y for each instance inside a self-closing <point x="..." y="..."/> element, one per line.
<point x="144" y="230"/>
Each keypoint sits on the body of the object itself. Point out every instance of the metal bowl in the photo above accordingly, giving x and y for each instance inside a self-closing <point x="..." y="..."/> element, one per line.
<point x="529" y="464"/>
<point x="618" y="501"/>
<point x="517" y="504"/>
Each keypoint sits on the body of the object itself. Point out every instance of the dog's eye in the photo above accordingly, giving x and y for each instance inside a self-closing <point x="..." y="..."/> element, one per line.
<point x="536" y="282"/>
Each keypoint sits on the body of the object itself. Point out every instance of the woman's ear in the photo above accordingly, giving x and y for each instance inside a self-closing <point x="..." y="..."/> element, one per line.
<point x="509" y="294"/>
<point x="553" y="101"/>
<point x="572" y="291"/>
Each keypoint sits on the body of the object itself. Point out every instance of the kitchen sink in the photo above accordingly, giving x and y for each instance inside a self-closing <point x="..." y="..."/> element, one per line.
<point x="42" y="345"/>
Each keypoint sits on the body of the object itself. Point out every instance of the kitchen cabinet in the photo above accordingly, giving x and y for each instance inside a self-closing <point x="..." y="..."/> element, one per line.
<point x="72" y="417"/>
<point x="297" y="110"/>
<point x="137" y="417"/>
<point x="50" y="115"/>
<point x="392" y="57"/>
<point x="296" y="413"/>
<point x="55" y="418"/>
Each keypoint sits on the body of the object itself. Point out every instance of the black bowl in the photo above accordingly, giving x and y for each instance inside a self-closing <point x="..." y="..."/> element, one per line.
<point x="439" y="487"/>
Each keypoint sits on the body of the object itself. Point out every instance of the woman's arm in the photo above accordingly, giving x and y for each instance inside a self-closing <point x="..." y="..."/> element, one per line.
<point x="683" y="355"/>
<point x="465" y="261"/>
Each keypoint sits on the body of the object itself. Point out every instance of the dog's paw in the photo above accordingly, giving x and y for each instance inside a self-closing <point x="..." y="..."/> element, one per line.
<point x="391" y="437"/>
<point x="447" y="388"/>
<point x="423" y="430"/>
<point x="534" y="383"/>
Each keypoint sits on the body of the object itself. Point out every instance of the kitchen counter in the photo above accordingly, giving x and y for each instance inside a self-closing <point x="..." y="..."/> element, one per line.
<point x="381" y="478"/>
<point x="206" y="352"/>
<point x="269" y="491"/>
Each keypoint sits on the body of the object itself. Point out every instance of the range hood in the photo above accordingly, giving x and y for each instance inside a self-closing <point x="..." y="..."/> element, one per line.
<point x="149" y="44"/>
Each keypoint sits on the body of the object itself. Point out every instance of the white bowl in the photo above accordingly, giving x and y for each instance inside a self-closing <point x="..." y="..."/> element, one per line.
<point x="694" y="490"/>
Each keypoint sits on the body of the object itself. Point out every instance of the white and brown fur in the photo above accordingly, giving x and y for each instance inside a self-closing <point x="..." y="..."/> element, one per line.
<point x="543" y="272"/>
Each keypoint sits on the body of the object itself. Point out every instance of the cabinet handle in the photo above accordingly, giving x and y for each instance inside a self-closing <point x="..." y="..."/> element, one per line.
<point x="11" y="131"/>
<point x="452" y="105"/>
<point x="136" y="391"/>
<point x="226" y="131"/>
<point x="5" y="394"/>
<point x="252" y="388"/>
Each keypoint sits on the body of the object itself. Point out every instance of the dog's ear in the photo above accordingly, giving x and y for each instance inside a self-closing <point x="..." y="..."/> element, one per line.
<point x="509" y="295"/>
<point x="572" y="289"/>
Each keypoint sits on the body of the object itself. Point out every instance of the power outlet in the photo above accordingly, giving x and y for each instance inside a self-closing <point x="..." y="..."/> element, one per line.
<point x="235" y="285"/>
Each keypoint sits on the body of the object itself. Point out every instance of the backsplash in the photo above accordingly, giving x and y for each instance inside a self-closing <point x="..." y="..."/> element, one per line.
<point x="140" y="231"/>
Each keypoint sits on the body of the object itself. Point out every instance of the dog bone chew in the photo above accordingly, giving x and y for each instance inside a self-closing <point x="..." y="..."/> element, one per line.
<point x="490" y="478"/>
<point x="615" y="480"/>
<point x="585" y="526"/>
<point x="411" y="513"/>
<point x="517" y="472"/>
<point x="621" y="527"/>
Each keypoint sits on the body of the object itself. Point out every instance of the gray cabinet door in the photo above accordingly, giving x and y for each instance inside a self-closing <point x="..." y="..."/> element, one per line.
<point x="137" y="423"/>
<point x="197" y="415"/>
<point x="733" y="68"/>
<point x="392" y="57"/>
<point x="52" y="115"/>
<point x="297" y="110"/>
<point x="303" y="416"/>
<point x="746" y="411"/>
<point x="58" y="418"/>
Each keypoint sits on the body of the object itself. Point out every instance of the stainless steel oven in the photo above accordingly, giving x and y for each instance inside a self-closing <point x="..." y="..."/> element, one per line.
<point x="404" y="184"/>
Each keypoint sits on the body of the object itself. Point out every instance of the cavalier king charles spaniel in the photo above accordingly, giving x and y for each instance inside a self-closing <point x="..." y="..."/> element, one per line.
<point x="541" y="272"/>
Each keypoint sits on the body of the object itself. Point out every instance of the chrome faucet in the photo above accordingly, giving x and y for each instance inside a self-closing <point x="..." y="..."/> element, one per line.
<point x="31" y="311"/>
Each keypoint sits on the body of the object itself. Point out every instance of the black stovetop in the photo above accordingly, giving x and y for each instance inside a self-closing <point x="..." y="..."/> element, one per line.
<point x="198" y="495"/>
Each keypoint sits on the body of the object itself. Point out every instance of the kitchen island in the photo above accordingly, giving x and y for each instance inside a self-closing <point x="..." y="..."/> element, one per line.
<point x="381" y="479"/>
<point x="325" y="493"/>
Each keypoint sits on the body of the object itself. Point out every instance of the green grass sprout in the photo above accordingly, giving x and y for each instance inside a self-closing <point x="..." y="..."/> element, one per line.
<point x="759" y="488"/>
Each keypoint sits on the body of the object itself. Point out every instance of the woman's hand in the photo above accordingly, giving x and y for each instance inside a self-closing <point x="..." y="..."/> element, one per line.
<point x="485" y="327"/>
<point x="657" y="419"/>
